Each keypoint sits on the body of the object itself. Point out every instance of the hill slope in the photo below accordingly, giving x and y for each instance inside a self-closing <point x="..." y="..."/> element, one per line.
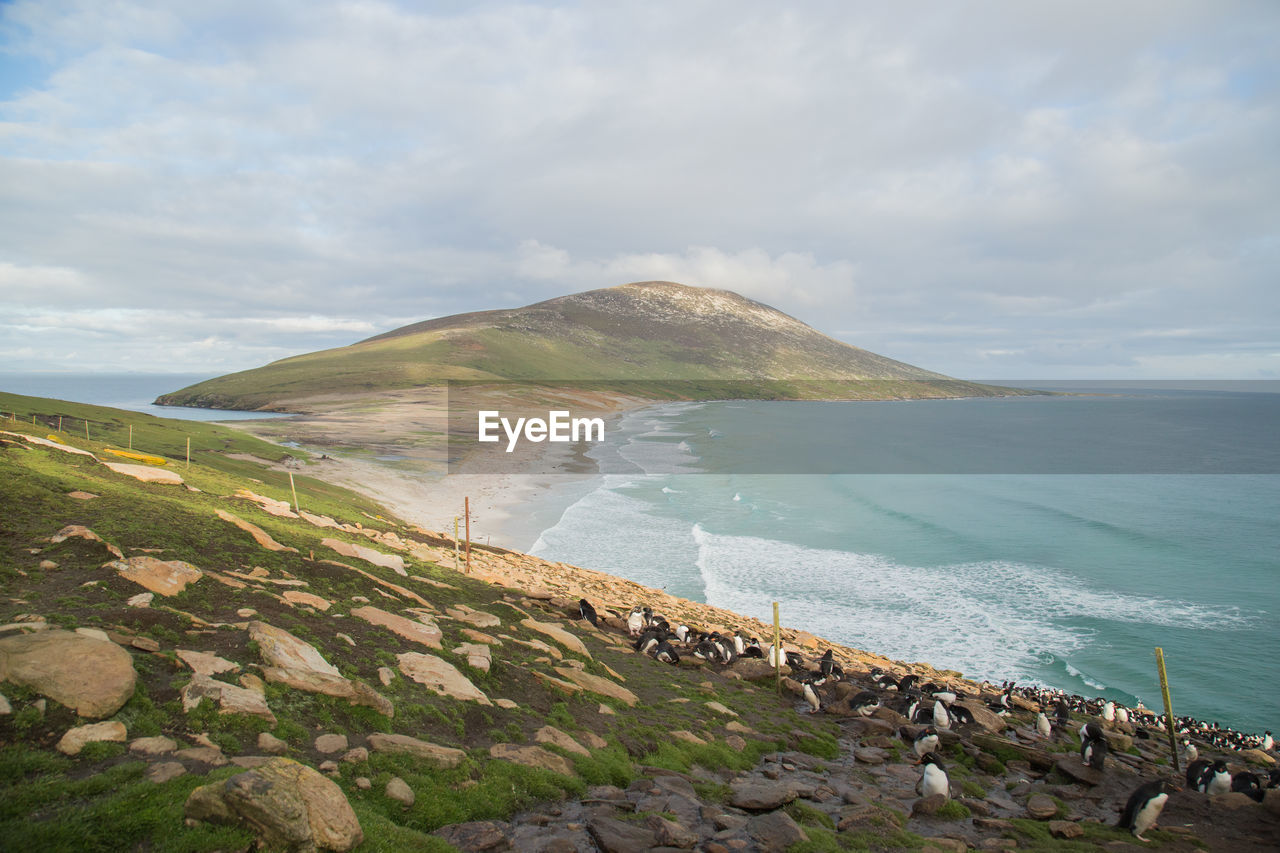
<point x="646" y="331"/>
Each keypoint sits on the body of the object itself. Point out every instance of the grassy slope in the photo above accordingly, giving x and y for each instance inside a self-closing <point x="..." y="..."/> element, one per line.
<point x="100" y="800"/>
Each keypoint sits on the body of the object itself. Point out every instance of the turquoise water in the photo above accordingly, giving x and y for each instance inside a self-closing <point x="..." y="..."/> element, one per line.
<point x="1063" y="579"/>
<point x="132" y="391"/>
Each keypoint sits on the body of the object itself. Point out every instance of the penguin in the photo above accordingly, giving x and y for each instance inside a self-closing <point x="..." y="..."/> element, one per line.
<point x="1144" y="807"/>
<point x="1109" y="712"/>
<point x="636" y="622"/>
<point x="1093" y="747"/>
<point x="1042" y="725"/>
<point x="864" y="704"/>
<point x="946" y="697"/>
<point x="1218" y="779"/>
<point x="908" y="681"/>
<point x="1189" y="751"/>
<point x="826" y="664"/>
<point x="588" y="612"/>
<point x="1248" y="784"/>
<point x="649" y="641"/>
<point x="738" y="645"/>
<point x="1091" y="731"/>
<point x="753" y="649"/>
<point x="925" y="742"/>
<point x="941" y="718"/>
<point x="1063" y="712"/>
<point x="666" y="653"/>
<point x="934" y="779"/>
<point x="1268" y="742"/>
<point x="1273" y="778"/>
<point x="811" y="696"/>
<point x="1122" y="714"/>
<point x="794" y="661"/>
<point x="682" y="633"/>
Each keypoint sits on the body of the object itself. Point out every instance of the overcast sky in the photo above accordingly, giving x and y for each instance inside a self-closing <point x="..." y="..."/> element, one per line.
<point x="990" y="190"/>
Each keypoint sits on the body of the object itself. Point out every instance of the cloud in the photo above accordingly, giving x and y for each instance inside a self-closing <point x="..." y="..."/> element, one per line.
<point x="1031" y="182"/>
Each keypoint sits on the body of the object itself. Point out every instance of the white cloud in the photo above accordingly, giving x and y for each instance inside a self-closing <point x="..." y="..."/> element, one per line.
<point x="1015" y="178"/>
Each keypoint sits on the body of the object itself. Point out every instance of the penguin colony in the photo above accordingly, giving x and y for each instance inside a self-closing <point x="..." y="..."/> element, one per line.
<point x="934" y="706"/>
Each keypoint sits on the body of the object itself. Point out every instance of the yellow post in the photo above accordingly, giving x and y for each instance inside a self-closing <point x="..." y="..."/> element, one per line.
<point x="777" y="649"/>
<point x="86" y="429"/>
<point x="466" y="510"/>
<point x="1168" y="709"/>
<point x="131" y="436"/>
<point x="455" y="543"/>
<point x="294" y="489"/>
<point x="59" y="423"/>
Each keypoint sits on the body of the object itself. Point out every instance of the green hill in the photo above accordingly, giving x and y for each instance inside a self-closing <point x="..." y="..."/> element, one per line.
<point x="660" y="339"/>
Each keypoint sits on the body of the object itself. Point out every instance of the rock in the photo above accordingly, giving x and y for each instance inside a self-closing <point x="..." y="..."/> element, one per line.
<point x="355" y="755"/>
<point x="532" y="756"/>
<point x="738" y="728"/>
<point x="355" y="692"/>
<point x="281" y="649"/>
<point x="146" y="473"/>
<point x="210" y="755"/>
<point x="560" y="635"/>
<point x="954" y="845"/>
<point x="440" y="676"/>
<point x="736" y="742"/>
<point x="775" y="831"/>
<point x="760" y="794"/>
<point x="1065" y="829"/>
<point x="272" y="745"/>
<point x="82" y="496"/>
<point x="983" y="716"/>
<point x="158" y="745"/>
<point x="929" y="805"/>
<point x="399" y="790"/>
<point x="616" y="836"/>
<point x="555" y="737"/>
<point x="246" y="612"/>
<point x="688" y="737"/>
<point x="506" y="704"/>
<point x="93" y="633"/>
<point x="476" y="836"/>
<point x="259" y="535"/>
<point x="163" y="577"/>
<point x="249" y="681"/>
<point x="669" y="833"/>
<point x="5" y="707"/>
<point x="164" y="771"/>
<point x="363" y="783"/>
<point x="597" y="684"/>
<point x="1041" y="807"/>
<point x="386" y="675"/>
<point x="145" y="644"/>
<point x="285" y="803"/>
<point x="94" y="677"/>
<point x="77" y="531"/>
<point x="720" y="709"/>
<point x="294" y="596"/>
<point x="478" y="618"/>
<point x="142" y="599"/>
<point x="370" y="555"/>
<point x="870" y="756"/>
<point x="205" y="663"/>
<point x="442" y="756"/>
<point x="331" y="743"/>
<point x="75" y="739"/>
<point x="1231" y="801"/>
<point x="1257" y="756"/>
<point x="478" y="655"/>
<point x="230" y="699"/>
<point x="1037" y="758"/>
<point x="428" y="634"/>
<point x="1074" y="768"/>
<point x="47" y="565"/>
<point x="593" y="740"/>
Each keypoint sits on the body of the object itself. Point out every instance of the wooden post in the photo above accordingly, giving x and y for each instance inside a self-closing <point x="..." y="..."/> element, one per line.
<point x="294" y="489"/>
<point x="131" y="436"/>
<point x="777" y="649"/>
<point x="455" y="543"/>
<point x="59" y="423"/>
<point x="86" y="429"/>
<point x="466" y="509"/>
<point x="1168" y="709"/>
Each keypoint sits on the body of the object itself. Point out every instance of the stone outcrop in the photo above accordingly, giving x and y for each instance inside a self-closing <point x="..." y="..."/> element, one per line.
<point x="427" y="634"/>
<point x="285" y="803"/>
<point x="560" y="635"/>
<point x="94" y="677"/>
<point x="532" y="756"/>
<point x="440" y="676"/>
<point x="370" y="555"/>
<point x="75" y="739"/>
<point x="281" y="649"/>
<point x="442" y="756"/>
<point x="259" y="535"/>
<point x="162" y="577"/>
<point x="79" y="531"/>
<point x="146" y="473"/>
<point x="597" y="684"/>
<point x="229" y="698"/>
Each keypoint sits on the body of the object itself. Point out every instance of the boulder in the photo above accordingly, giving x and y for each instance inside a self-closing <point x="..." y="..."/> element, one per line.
<point x="272" y="745"/>
<point x="75" y="739"/>
<point x="442" y="756"/>
<point x="555" y="737"/>
<point x="79" y="531"/>
<point x="478" y="655"/>
<point x="286" y="803"/>
<point x="1065" y="829"/>
<point x="355" y="692"/>
<point x="259" y="535"/>
<point x="158" y="745"/>
<point x="478" y="618"/>
<point x="560" y="635"/>
<point x="164" y="771"/>
<point x="294" y="596"/>
<point x="281" y="649"/>
<point x="775" y="831"/>
<point x="756" y="794"/>
<point x="370" y="555"/>
<point x="927" y="806"/>
<point x="597" y="684"/>
<point x="331" y="743"/>
<point x="397" y="789"/>
<point x="229" y="698"/>
<point x="92" y="676"/>
<point x="618" y="836"/>
<point x="206" y="663"/>
<point x="440" y="676"/>
<point x="146" y="473"/>
<point x="1257" y="756"/>
<point x="163" y="577"/>
<point x="476" y="836"/>
<point x="428" y="634"/>
<point x="1078" y="771"/>
<point x="1041" y="807"/>
<point x="983" y="717"/>
<point x="532" y="756"/>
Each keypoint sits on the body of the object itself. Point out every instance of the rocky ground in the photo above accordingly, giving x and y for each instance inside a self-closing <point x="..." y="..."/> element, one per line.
<point x="193" y="665"/>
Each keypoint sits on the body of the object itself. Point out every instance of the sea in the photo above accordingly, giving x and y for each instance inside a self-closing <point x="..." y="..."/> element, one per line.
<point x="1051" y="540"/>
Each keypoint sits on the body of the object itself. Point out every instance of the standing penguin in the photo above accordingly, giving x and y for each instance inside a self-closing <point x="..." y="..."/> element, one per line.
<point x="1268" y="742"/>
<point x="1144" y="807"/>
<point x="1109" y="712"/>
<point x="826" y="664"/>
<point x="1189" y="751"/>
<point x="588" y="612"/>
<point x="941" y="718"/>
<point x="636" y="622"/>
<point x="925" y="742"/>
<point x="1042" y="725"/>
<point x="1093" y="747"/>
<point x="864" y="703"/>
<point x="934" y="779"/>
<point x="1218" y="780"/>
<point x="811" y="696"/>
<point x="1122" y="714"/>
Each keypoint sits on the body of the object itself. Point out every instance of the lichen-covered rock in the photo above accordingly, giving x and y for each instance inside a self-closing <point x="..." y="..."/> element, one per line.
<point x="229" y="698"/>
<point x="286" y="803"/>
<point x="532" y="756"/>
<point x="75" y="739"/>
<point x="440" y="676"/>
<point x="420" y="632"/>
<point x="163" y="577"/>
<point x="95" y="677"/>
<point x="442" y="756"/>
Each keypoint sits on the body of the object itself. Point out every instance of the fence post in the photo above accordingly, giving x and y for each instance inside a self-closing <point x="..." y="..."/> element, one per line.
<point x="1168" y="709"/>
<point x="294" y="489"/>
<point x="777" y="649"/>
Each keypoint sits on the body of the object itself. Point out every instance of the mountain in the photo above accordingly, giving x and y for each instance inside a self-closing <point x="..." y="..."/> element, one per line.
<point x="653" y="332"/>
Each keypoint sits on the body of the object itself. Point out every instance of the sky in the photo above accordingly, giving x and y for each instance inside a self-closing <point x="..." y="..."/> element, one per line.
<point x="1006" y="190"/>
